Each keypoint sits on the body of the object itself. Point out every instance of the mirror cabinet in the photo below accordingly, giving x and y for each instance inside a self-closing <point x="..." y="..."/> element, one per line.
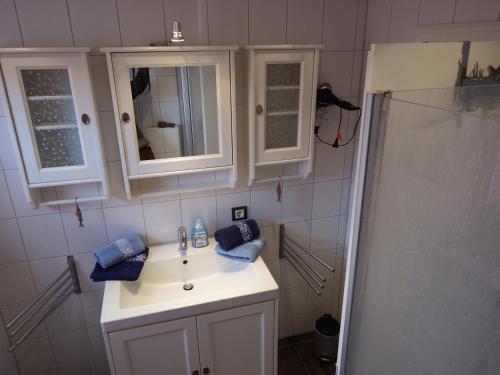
<point x="174" y="110"/>
<point x="53" y="121"/>
<point x="282" y="98"/>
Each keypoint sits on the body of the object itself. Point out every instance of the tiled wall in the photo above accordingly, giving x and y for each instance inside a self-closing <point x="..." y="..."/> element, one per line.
<point x="35" y="242"/>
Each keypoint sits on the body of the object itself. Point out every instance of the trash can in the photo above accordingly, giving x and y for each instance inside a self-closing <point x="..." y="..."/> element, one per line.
<point x="326" y="338"/>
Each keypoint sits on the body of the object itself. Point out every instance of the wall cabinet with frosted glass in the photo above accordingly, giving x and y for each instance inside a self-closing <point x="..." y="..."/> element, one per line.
<point x="54" y="126"/>
<point x="282" y="96"/>
<point x="174" y="112"/>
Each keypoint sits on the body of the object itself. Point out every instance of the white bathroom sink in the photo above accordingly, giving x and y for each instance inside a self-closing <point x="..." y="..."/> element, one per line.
<point x="160" y="293"/>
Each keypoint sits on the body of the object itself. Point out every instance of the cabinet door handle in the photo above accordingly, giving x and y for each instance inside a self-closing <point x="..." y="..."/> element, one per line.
<point x="85" y="119"/>
<point x="259" y="109"/>
<point x="206" y="371"/>
<point x="195" y="372"/>
<point x="125" y="117"/>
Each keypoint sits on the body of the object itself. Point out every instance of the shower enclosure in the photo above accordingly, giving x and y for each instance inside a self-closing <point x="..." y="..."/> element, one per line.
<point x="423" y="279"/>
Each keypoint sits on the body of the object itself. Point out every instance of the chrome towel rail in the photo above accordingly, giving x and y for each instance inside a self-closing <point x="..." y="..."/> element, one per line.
<point x="288" y="250"/>
<point x="24" y="323"/>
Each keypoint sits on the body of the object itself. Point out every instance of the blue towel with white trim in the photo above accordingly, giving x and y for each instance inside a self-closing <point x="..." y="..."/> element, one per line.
<point x="120" y="250"/>
<point x="128" y="270"/>
<point x="247" y="252"/>
<point x="237" y="234"/>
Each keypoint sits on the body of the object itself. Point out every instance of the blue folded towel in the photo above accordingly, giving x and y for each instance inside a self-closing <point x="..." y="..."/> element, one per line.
<point x="247" y="252"/>
<point x="116" y="252"/>
<point x="129" y="270"/>
<point x="237" y="234"/>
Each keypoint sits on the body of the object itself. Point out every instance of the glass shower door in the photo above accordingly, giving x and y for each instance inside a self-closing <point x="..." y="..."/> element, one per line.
<point x="426" y="294"/>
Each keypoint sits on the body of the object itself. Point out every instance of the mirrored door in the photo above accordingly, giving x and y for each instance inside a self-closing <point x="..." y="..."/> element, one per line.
<point x="175" y="110"/>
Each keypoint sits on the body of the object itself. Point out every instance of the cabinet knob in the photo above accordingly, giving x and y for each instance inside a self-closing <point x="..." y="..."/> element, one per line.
<point x="206" y="371"/>
<point x="259" y="109"/>
<point x="85" y="119"/>
<point x="125" y="117"/>
<point x="195" y="372"/>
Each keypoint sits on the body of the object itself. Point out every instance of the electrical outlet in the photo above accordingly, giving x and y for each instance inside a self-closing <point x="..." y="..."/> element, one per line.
<point x="239" y="213"/>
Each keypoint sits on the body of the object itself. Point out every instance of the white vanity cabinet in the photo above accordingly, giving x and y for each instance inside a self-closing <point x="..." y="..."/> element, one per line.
<point x="54" y="120"/>
<point x="282" y="98"/>
<point x="236" y="341"/>
<point x="174" y="111"/>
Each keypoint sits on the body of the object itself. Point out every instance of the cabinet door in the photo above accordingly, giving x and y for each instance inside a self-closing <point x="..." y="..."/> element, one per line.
<point x="284" y="87"/>
<point x="237" y="341"/>
<point x="159" y="349"/>
<point x="51" y="97"/>
<point x="178" y="105"/>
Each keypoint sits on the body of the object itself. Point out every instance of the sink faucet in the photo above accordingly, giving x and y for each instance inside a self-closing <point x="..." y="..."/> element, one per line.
<point x="182" y="235"/>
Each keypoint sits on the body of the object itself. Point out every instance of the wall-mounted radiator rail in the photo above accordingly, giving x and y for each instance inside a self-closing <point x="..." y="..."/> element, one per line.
<point x="289" y="250"/>
<point x="65" y="284"/>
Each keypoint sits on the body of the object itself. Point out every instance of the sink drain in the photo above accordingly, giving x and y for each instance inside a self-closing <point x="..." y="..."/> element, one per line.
<point x="188" y="286"/>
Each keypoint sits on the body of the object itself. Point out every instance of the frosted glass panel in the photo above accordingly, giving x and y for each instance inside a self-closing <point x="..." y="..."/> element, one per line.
<point x="44" y="82"/>
<point x="59" y="147"/>
<point x="283" y="74"/>
<point x="427" y="283"/>
<point x="282" y="100"/>
<point x="53" y="117"/>
<point x="52" y="112"/>
<point x="282" y="105"/>
<point x="281" y="131"/>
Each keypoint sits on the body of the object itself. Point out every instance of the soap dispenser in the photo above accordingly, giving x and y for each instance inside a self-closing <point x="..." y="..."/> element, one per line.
<point x="199" y="235"/>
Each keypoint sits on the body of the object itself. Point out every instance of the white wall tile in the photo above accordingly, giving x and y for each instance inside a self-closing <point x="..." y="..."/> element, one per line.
<point x="6" y="149"/>
<point x="97" y="343"/>
<point x="43" y="236"/>
<point x="6" y="208"/>
<point x="71" y="348"/>
<point x="11" y="246"/>
<point x="35" y="15"/>
<point x="35" y="356"/>
<point x="271" y="250"/>
<point x="227" y="201"/>
<point x="77" y="191"/>
<point x="436" y="11"/>
<point x="327" y="198"/>
<point x="204" y="208"/>
<point x="267" y="21"/>
<point x="18" y="199"/>
<point x="92" y="306"/>
<point x="300" y="232"/>
<point x="339" y="28"/>
<point x="67" y="317"/>
<point x="377" y="22"/>
<point x="346" y="195"/>
<point x="304" y="21"/>
<point x="94" y="23"/>
<point x="336" y="69"/>
<point x="324" y="233"/>
<point x="264" y="207"/>
<point x="192" y="14"/>
<point x="100" y="82"/>
<point x="343" y="228"/>
<point x="9" y="312"/>
<point x="328" y="163"/>
<point x="361" y="25"/>
<point x="297" y="202"/>
<point x="18" y="283"/>
<point x="87" y="238"/>
<point x="10" y="35"/>
<point x="141" y="22"/>
<point x="162" y="221"/>
<point x="45" y="270"/>
<point x="404" y="18"/>
<point x="228" y="21"/>
<point x="477" y="11"/>
<point x="124" y="220"/>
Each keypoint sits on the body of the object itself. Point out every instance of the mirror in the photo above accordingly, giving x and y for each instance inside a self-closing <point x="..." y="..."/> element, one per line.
<point x="176" y="112"/>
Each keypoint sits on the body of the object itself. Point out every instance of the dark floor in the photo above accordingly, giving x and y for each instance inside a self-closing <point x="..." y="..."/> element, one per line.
<point x="295" y="357"/>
